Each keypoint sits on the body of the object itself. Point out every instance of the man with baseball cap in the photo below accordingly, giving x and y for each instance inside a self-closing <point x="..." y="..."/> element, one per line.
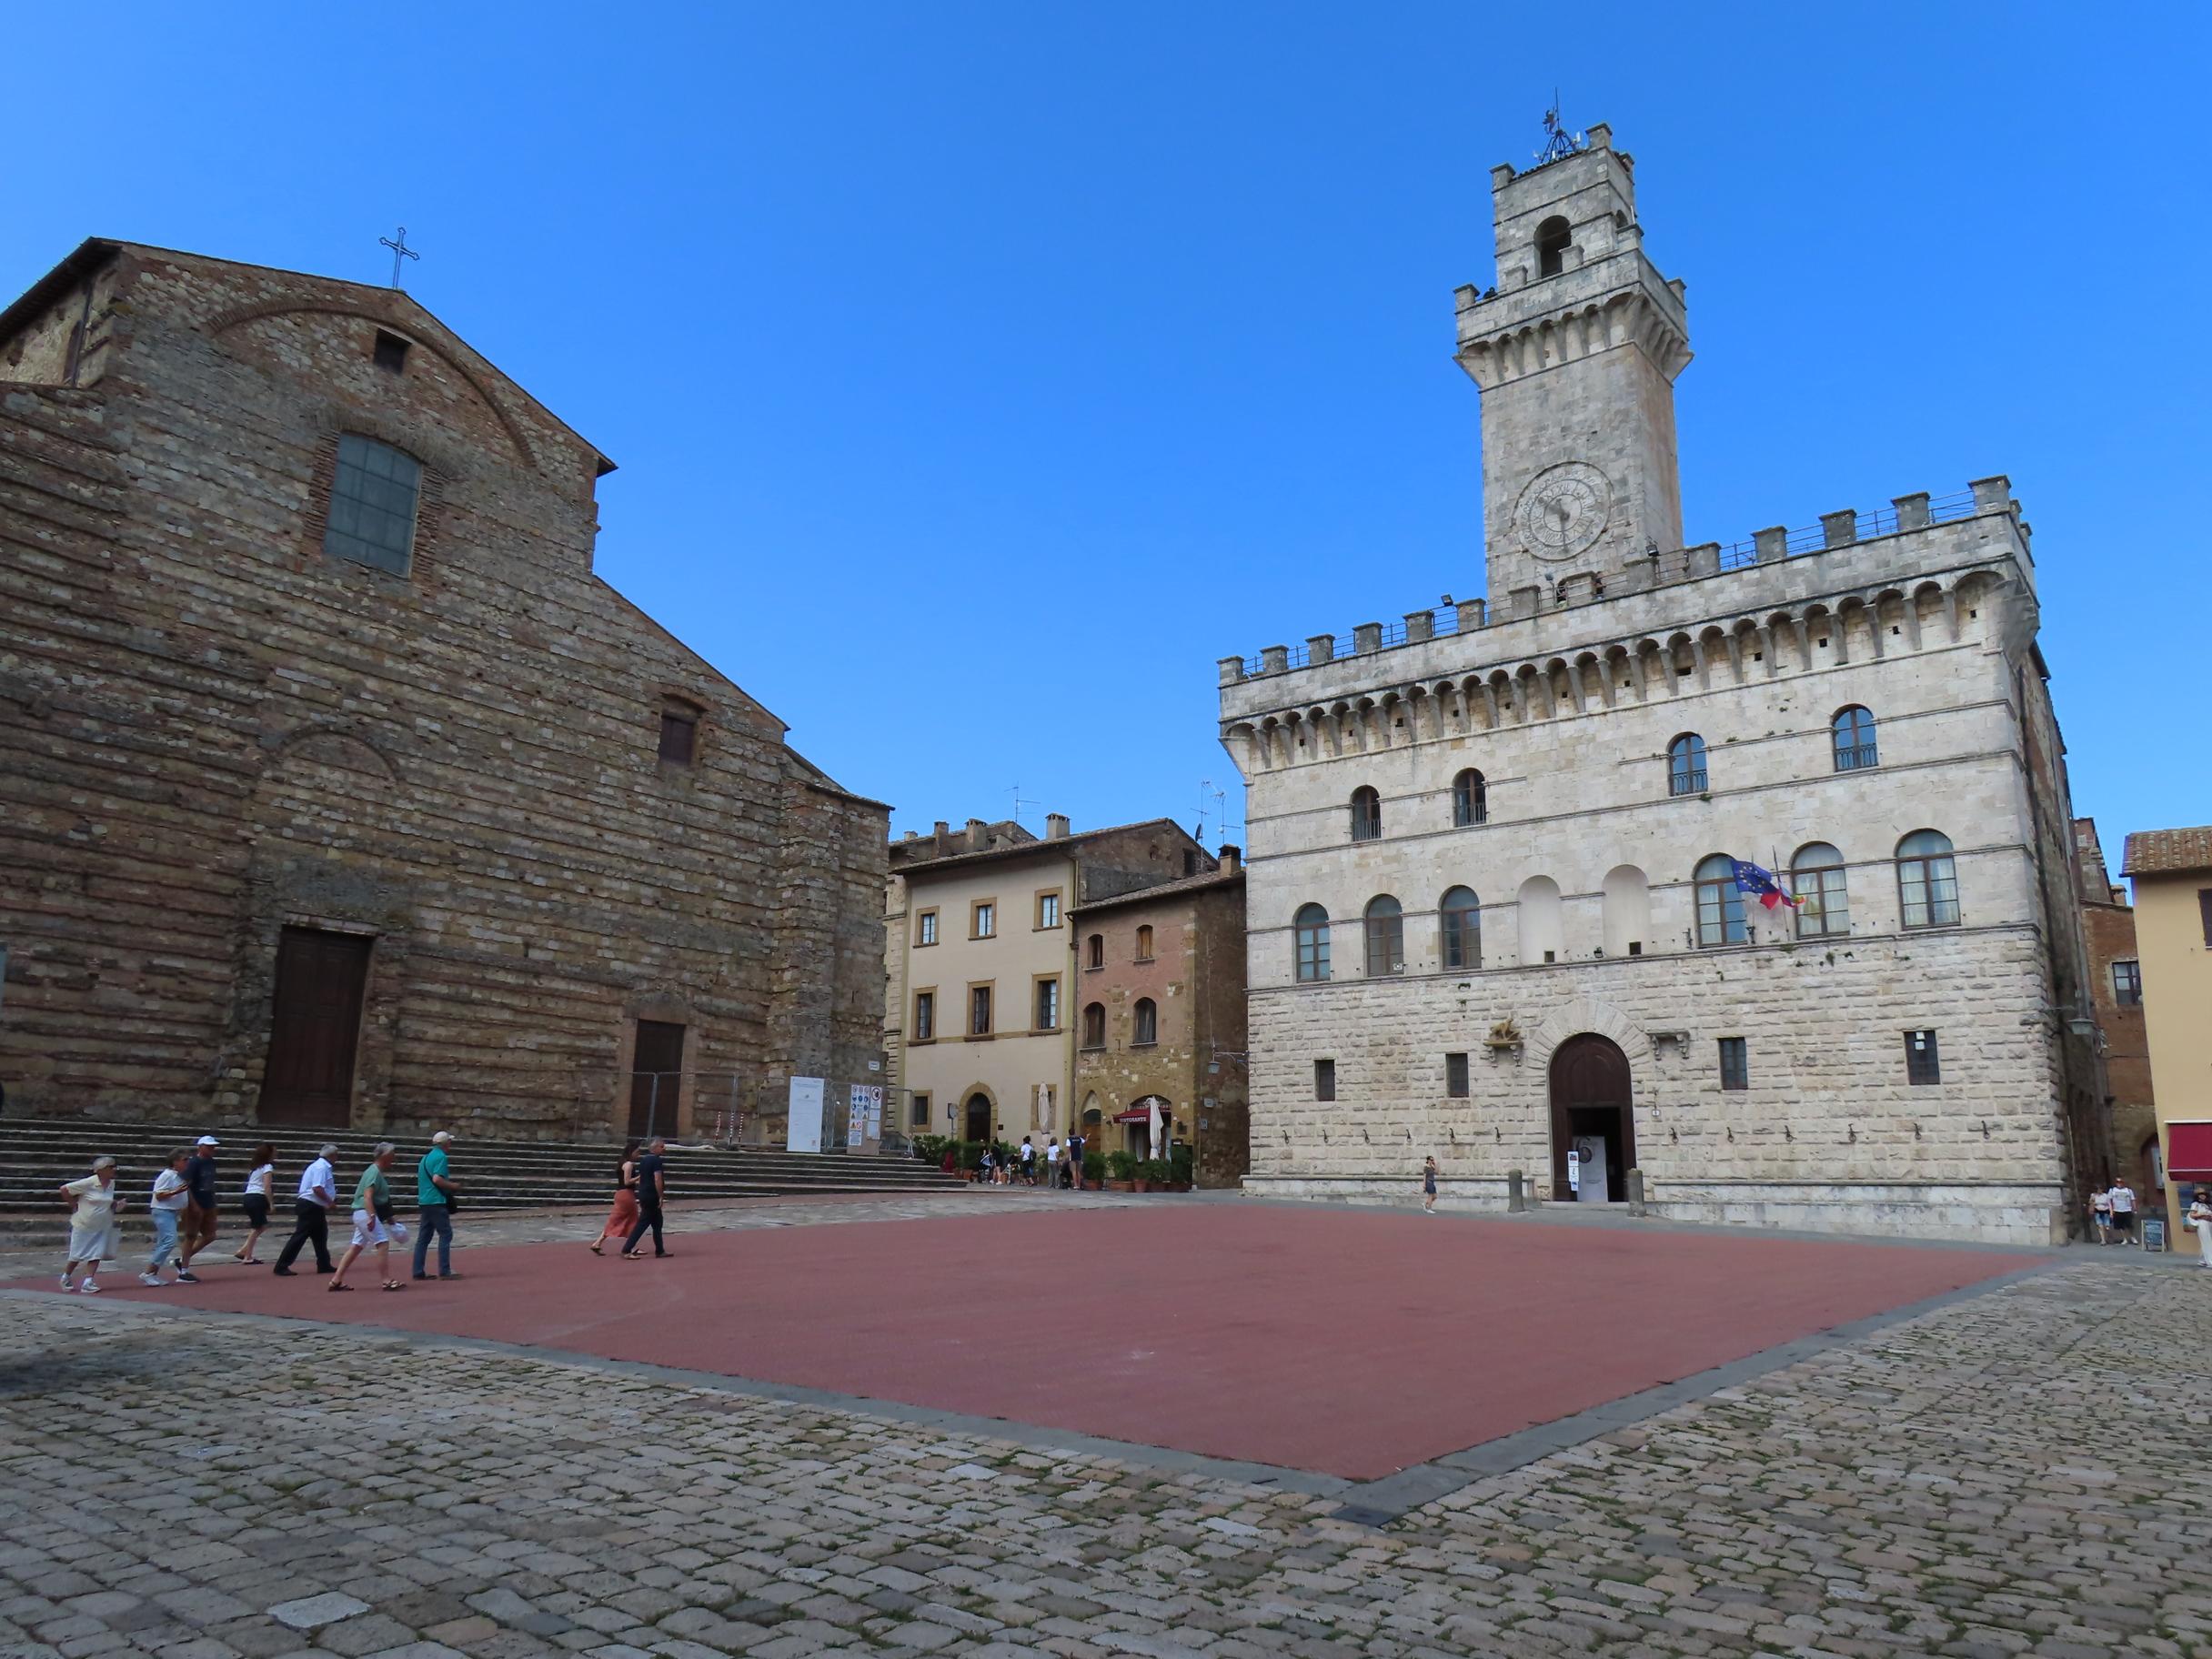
<point x="198" y="1230"/>
<point x="434" y="1191"/>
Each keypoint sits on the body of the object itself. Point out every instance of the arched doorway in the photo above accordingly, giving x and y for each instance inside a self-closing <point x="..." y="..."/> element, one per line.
<point x="979" y="1117"/>
<point x="1593" y="1109"/>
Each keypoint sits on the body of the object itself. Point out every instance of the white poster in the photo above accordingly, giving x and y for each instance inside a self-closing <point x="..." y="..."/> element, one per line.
<point x="805" y="1133"/>
<point x="868" y="1101"/>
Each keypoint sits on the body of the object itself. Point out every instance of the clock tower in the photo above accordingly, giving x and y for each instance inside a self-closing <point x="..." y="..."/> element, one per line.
<point x="1575" y="351"/>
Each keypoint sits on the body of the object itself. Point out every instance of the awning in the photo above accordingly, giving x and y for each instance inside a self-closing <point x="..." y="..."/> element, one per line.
<point x="2189" y="1151"/>
<point x="1139" y="1116"/>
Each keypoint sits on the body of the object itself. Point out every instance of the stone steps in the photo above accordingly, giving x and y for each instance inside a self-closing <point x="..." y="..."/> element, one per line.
<point x="38" y="1155"/>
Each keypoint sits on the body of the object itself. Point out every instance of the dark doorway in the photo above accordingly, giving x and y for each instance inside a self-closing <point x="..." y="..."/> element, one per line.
<point x="1592" y="1106"/>
<point x="979" y="1117"/>
<point x="315" y="1027"/>
<point x="656" y="1078"/>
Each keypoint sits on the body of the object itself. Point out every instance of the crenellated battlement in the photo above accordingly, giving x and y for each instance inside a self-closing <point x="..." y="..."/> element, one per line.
<point x="1657" y="570"/>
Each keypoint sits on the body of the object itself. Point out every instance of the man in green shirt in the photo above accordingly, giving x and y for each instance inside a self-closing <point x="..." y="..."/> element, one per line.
<point x="434" y="1193"/>
<point x="372" y="1196"/>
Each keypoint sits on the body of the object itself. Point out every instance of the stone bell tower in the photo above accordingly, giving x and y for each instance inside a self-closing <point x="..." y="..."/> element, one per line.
<point x="1575" y="350"/>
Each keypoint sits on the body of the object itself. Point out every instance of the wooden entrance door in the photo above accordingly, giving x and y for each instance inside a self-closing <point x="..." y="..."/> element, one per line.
<point x="315" y="1027"/>
<point x="656" y="1078"/>
<point x="1590" y="1096"/>
<point x="979" y="1117"/>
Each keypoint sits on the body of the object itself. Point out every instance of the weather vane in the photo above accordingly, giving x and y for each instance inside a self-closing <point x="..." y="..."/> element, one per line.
<point x="1558" y="142"/>
<point x="400" y="250"/>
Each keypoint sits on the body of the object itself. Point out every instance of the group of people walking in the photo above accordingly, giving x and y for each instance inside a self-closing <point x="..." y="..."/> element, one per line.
<point x="183" y="1206"/>
<point x="1057" y="1165"/>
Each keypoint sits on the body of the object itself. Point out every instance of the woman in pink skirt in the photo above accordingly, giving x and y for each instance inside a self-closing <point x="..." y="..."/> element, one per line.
<point x="624" y="1215"/>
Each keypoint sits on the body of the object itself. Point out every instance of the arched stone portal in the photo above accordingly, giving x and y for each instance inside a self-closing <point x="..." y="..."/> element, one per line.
<point x="1592" y="1104"/>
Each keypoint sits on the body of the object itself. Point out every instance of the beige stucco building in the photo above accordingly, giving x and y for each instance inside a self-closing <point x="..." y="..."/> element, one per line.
<point x="977" y="1029"/>
<point x="1495" y="907"/>
<point x="2172" y="872"/>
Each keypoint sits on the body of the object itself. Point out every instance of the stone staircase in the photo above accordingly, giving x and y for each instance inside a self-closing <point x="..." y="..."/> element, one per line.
<point x="37" y="1154"/>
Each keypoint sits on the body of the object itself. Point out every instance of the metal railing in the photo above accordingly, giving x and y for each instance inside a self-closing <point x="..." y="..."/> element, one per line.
<point x="1852" y="758"/>
<point x="1660" y="570"/>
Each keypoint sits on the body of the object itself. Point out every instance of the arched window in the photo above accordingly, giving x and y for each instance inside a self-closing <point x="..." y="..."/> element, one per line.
<point x="1720" y="902"/>
<point x="1685" y="765"/>
<point x="1470" y="798"/>
<point x="1928" y="881"/>
<point x="1098" y="950"/>
<point x="1460" y="926"/>
<point x="1552" y="239"/>
<point x="1816" y="878"/>
<point x="1144" y="943"/>
<point x="1312" y="929"/>
<point x="1148" y="1022"/>
<point x="1854" y="745"/>
<point x="1366" y="814"/>
<point x="1386" y="936"/>
<point x="1094" y="1025"/>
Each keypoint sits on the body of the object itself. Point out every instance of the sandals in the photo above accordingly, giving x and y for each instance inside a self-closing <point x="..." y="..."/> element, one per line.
<point x="335" y="1285"/>
<point x="594" y="1247"/>
<point x="394" y="1284"/>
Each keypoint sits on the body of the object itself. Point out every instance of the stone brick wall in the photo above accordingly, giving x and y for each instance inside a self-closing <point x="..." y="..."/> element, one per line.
<point x="212" y="730"/>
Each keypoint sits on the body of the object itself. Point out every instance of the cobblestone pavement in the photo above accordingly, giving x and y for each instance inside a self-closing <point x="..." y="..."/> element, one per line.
<point x="2026" y="1472"/>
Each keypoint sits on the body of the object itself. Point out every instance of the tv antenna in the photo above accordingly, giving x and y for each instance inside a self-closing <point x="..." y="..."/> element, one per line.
<point x="1018" y="802"/>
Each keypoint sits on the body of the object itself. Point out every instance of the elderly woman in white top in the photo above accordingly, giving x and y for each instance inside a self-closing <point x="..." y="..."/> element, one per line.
<point x="92" y="1224"/>
<point x="2200" y="1221"/>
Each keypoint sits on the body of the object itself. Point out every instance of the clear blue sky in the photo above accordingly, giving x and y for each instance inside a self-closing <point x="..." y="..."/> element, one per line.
<point x="979" y="374"/>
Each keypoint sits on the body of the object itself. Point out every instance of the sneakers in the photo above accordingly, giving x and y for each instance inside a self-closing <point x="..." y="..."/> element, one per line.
<point x="185" y="1275"/>
<point x="152" y="1281"/>
<point x="65" y="1284"/>
<point x="88" y="1289"/>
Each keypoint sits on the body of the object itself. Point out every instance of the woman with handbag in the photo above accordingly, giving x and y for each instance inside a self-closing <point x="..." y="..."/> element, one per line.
<point x="372" y="1203"/>
<point x="623" y="1216"/>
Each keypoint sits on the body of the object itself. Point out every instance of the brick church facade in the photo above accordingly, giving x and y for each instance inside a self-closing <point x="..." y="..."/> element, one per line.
<point x="334" y="785"/>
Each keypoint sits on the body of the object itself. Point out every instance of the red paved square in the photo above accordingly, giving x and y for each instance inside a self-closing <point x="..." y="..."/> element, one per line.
<point x="1350" y="1343"/>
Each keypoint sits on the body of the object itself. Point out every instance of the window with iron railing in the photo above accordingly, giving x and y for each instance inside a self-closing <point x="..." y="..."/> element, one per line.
<point x="1367" y="815"/>
<point x="1855" y="741"/>
<point x="1685" y="765"/>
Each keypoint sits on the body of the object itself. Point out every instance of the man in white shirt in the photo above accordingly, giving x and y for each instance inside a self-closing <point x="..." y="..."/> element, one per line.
<point x="318" y="1190"/>
<point x="2124" y="1212"/>
<point x="172" y="1192"/>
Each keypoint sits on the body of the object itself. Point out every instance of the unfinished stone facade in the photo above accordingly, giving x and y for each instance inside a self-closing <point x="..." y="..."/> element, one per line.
<point x="2116" y="981"/>
<point x="1495" y="819"/>
<point x="1158" y="1014"/>
<point x="489" y="814"/>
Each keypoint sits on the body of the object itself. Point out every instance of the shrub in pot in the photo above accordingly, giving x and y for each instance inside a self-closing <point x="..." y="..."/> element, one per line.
<point x="1120" y="1167"/>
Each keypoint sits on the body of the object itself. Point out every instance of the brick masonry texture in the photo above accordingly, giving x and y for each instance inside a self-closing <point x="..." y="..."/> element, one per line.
<point x="1564" y="693"/>
<point x="211" y="730"/>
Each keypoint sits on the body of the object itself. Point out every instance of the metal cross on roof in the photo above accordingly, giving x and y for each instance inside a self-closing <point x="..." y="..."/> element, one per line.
<point x="400" y="250"/>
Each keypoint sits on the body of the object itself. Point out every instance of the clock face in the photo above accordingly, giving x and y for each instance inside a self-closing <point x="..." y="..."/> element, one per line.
<point x="1563" y="510"/>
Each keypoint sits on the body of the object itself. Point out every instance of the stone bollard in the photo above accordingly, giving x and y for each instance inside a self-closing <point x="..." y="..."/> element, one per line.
<point x="1635" y="1192"/>
<point x="1516" y="1196"/>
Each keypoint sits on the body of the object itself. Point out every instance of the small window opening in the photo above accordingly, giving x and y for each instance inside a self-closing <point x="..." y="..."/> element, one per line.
<point x="1553" y="238"/>
<point x="679" y="735"/>
<point x="391" y="352"/>
<point x="1324" y="1080"/>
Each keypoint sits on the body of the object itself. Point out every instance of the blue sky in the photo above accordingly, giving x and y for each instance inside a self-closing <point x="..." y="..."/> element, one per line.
<point x="979" y="374"/>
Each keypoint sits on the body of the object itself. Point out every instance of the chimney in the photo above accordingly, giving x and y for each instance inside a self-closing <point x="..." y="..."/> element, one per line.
<point x="1232" y="858"/>
<point x="913" y="835"/>
<point x="978" y="836"/>
<point x="942" y="836"/>
<point x="1056" y="826"/>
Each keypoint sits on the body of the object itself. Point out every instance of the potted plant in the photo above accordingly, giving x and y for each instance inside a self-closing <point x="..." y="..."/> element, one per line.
<point x="1181" y="1168"/>
<point x="1152" y="1175"/>
<point x="1120" y="1169"/>
<point x="1094" y="1169"/>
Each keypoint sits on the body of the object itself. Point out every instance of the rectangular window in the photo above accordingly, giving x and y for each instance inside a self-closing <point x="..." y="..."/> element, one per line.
<point x="679" y="735"/>
<point x="925" y="928"/>
<point x="2204" y="912"/>
<point x="925" y="1016"/>
<point x="1144" y="944"/>
<point x="373" y="497"/>
<point x="918" y="1114"/>
<point x="1048" y="1006"/>
<point x="2127" y="984"/>
<point x="1455" y="1076"/>
<point x="979" y="1010"/>
<point x="1324" y="1080"/>
<point x="1048" y="910"/>
<point x="1920" y="1063"/>
<point x="983" y="919"/>
<point x="390" y="352"/>
<point x="1735" y="1063"/>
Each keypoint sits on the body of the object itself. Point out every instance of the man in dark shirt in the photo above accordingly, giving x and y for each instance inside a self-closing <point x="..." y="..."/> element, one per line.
<point x="198" y="1230"/>
<point x="652" y="1189"/>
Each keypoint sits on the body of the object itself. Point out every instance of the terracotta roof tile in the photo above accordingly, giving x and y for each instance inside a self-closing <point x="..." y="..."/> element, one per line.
<point x="2158" y="853"/>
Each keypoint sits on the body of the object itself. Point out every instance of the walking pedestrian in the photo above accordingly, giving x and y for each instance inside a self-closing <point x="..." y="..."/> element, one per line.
<point x="372" y="1195"/>
<point x="199" y="1224"/>
<point x="260" y="1183"/>
<point x="1028" y="1161"/>
<point x="2123" y="1212"/>
<point x="2200" y="1221"/>
<point x="1051" y="1163"/>
<point x="652" y="1193"/>
<point x="167" y="1206"/>
<point x="1076" y="1147"/>
<point x="319" y="1192"/>
<point x="1428" y="1185"/>
<point x="92" y="1224"/>
<point x="623" y="1215"/>
<point x="2100" y="1213"/>
<point x="433" y="1189"/>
